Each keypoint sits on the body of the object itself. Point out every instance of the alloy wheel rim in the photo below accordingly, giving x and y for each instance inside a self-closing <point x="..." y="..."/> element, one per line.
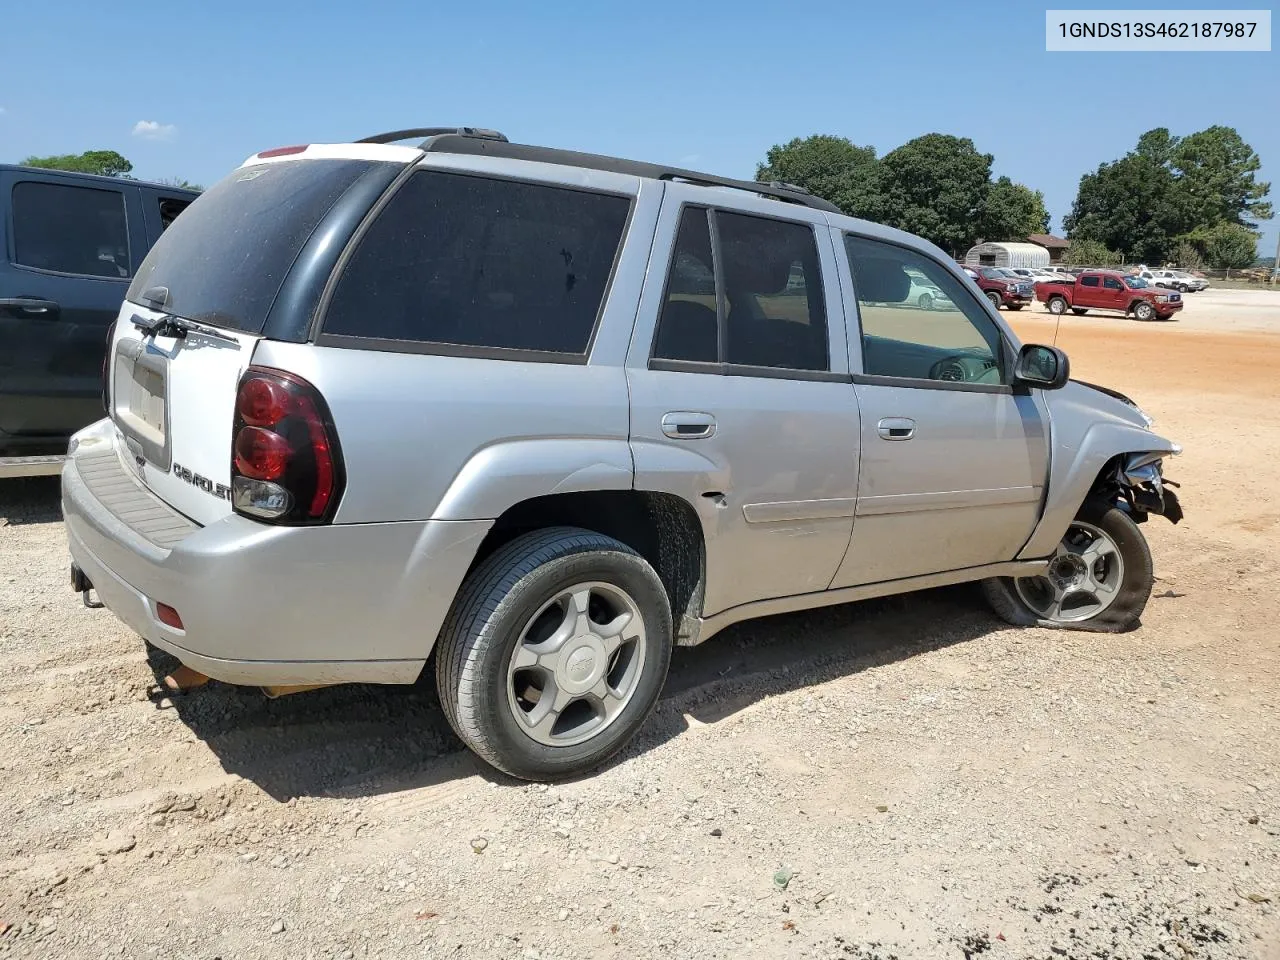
<point x="1083" y="579"/>
<point x="577" y="664"/>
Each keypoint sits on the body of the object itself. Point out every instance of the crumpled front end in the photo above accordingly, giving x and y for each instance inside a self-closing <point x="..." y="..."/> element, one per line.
<point x="1140" y="482"/>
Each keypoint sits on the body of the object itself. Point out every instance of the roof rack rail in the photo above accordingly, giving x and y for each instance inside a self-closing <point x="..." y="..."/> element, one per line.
<point x="415" y="132"/>
<point x="452" y="141"/>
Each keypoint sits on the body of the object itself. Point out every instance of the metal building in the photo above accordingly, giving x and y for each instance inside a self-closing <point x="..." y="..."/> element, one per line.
<point x="1007" y="255"/>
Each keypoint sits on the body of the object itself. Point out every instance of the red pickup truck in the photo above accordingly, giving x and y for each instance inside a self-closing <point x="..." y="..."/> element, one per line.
<point x="1109" y="290"/>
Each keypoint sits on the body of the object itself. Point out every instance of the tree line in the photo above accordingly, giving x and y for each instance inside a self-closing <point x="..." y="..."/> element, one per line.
<point x="104" y="163"/>
<point x="1191" y="200"/>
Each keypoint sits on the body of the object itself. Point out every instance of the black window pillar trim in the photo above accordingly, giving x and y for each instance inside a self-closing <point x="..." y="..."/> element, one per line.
<point x="717" y="273"/>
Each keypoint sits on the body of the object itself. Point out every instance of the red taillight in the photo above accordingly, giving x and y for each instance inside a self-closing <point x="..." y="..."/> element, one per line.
<point x="286" y="464"/>
<point x="282" y="151"/>
<point x="261" y="454"/>
<point x="169" y="616"/>
<point x="262" y="402"/>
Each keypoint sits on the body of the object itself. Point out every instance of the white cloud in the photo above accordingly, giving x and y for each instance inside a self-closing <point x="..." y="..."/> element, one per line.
<point x="153" y="130"/>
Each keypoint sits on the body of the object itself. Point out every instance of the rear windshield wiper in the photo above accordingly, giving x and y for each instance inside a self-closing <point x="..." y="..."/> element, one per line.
<point x="167" y="325"/>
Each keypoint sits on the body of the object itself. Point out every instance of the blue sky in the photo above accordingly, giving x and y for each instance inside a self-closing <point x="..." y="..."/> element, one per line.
<point x="190" y="91"/>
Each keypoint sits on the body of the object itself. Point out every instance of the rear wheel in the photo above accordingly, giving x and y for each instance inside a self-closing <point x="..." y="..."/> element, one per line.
<point x="1057" y="305"/>
<point x="554" y="653"/>
<point x="994" y="298"/>
<point x="1099" y="577"/>
<point x="1079" y="311"/>
<point x="1144" y="311"/>
<point x="925" y="301"/>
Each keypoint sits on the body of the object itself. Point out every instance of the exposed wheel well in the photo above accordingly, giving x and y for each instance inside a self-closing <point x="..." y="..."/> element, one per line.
<point x="661" y="527"/>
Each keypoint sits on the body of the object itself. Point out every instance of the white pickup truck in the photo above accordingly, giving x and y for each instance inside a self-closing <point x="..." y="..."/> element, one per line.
<point x="1178" y="280"/>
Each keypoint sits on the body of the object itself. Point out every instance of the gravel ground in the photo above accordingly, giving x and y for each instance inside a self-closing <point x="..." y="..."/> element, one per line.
<point x="905" y="778"/>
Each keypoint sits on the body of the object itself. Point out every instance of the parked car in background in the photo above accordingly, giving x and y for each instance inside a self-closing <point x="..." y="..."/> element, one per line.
<point x="75" y="241"/>
<point x="926" y="294"/>
<point x="1112" y="292"/>
<point x="1002" y="289"/>
<point x="1178" y="280"/>
<point x="607" y="423"/>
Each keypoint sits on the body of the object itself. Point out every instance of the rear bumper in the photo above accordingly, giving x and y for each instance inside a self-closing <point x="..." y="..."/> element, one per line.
<point x="265" y="605"/>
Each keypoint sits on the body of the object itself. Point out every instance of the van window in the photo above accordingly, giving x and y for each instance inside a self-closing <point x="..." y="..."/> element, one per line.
<point x="224" y="259"/>
<point x="66" y="229"/>
<point x="478" y="262"/>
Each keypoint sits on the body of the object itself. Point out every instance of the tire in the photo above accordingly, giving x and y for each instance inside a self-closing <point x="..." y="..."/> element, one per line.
<point x="994" y="298"/>
<point x="1015" y="599"/>
<point x="514" y="594"/>
<point x="1079" y="311"/>
<point x="925" y="301"/>
<point x="1144" y="311"/>
<point x="1057" y="305"/>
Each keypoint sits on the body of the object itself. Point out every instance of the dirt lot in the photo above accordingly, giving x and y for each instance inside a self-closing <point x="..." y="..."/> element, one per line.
<point x="905" y="778"/>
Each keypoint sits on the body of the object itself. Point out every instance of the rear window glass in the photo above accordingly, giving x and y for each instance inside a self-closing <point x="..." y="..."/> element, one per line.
<point x="223" y="260"/>
<point x="477" y="262"/>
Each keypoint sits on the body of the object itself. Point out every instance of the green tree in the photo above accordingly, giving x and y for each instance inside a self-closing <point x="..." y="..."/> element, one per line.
<point x="105" y="163"/>
<point x="1012" y="211"/>
<point x="1130" y="205"/>
<point x="1215" y="171"/>
<point x="1231" y="246"/>
<point x="1157" y="145"/>
<point x="1187" y="255"/>
<point x="830" y="167"/>
<point x="1090" y="253"/>
<point x="936" y="186"/>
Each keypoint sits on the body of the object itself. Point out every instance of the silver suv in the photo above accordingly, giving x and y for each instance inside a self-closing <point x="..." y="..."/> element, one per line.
<point x="541" y="415"/>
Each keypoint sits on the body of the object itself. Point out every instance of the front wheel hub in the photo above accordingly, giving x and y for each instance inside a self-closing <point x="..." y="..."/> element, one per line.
<point x="1082" y="580"/>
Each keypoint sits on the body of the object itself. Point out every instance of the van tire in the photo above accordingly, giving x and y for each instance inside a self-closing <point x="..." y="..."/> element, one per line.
<point x="489" y="619"/>
<point x="1133" y="587"/>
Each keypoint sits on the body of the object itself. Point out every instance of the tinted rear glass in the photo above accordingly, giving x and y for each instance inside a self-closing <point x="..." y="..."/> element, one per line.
<point x="224" y="259"/>
<point x="482" y="263"/>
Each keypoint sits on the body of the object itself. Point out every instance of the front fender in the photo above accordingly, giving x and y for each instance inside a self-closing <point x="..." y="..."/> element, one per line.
<point x="1075" y="465"/>
<point x="499" y="476"/>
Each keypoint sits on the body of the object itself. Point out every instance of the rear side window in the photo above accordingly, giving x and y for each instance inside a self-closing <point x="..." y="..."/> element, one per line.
<point x="223" y="260"/>
<point x="475" y="262"/>
<point x="768" y="309"/>
<point x="70" y="229"/>
<point x="1088" y="281"/>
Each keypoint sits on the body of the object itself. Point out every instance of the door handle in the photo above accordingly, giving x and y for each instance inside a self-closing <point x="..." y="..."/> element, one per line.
<point x="896" y="428"/>
<point x="688" y="425"/>
<point x="32" y="305"/>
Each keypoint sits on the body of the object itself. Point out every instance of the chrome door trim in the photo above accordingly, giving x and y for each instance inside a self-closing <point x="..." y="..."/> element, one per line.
<point x="783" y="510"/>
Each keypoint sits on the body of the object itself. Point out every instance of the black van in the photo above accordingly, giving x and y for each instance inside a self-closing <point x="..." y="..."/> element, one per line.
<point x="72" y="241"/>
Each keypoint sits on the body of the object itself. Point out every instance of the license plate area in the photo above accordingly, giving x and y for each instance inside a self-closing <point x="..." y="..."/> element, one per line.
<point x="140" y="399"/>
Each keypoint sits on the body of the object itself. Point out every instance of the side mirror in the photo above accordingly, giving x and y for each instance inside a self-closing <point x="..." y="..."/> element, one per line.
<point x="1045" y="367"/>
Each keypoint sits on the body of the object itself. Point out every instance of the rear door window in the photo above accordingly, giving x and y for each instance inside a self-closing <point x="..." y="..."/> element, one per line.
<point x="477" y="264"/>
<point x="223" y="260"/>
<point x="1088" y="281"/>
<point x="75" y="230"/>
<point x="757" y="302"/>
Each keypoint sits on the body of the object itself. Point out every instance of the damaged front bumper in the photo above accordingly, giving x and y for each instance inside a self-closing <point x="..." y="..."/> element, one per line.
<point x="1143" y="487"/>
